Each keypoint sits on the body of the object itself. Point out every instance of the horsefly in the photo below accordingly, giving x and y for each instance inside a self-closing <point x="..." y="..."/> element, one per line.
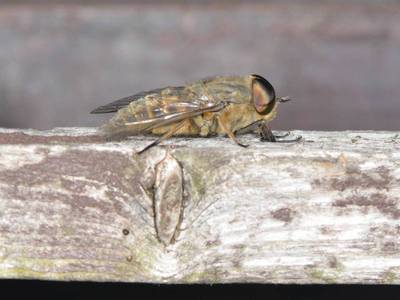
<point x="219" y="105"/>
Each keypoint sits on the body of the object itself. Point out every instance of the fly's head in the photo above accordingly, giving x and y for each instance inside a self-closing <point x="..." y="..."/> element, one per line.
<point x="263" y="98"/>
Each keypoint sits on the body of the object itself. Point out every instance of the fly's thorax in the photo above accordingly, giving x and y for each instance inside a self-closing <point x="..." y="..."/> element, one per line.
<point x="222" y="89"/>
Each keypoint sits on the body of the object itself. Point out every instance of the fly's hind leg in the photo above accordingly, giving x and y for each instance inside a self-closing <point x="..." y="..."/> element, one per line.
<point x="267" y="135"/>
<point x="165" y="136"/>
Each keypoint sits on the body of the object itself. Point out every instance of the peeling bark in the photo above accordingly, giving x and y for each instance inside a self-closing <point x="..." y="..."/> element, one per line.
<point x="324" y="210"/>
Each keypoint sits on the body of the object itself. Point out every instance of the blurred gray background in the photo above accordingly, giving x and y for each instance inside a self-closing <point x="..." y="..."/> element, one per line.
<point x="339" y="60"/>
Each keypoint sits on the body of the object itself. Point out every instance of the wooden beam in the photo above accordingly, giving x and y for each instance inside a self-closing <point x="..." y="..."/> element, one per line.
<point x="324" y="210"/>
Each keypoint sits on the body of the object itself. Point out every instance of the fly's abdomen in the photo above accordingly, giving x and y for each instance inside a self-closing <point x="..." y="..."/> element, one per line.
<point x="133" y="119"/>
<point x="146" y="114"/>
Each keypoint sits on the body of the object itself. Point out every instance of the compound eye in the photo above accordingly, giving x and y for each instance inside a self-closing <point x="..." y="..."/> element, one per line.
<point x="263" y="95"/>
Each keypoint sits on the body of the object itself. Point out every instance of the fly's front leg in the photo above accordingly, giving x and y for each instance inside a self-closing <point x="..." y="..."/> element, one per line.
<point x="252" y="128"/>
<point x="256" y="128"/>
<point x="267" y="135"/>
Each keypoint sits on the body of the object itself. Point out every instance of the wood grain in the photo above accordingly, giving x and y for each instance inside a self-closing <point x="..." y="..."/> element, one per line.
<point x="324" y="210"/>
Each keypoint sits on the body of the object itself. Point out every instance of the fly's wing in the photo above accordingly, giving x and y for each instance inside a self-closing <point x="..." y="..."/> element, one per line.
<point x="156" y="109"/>
<point x="118" y="104"/>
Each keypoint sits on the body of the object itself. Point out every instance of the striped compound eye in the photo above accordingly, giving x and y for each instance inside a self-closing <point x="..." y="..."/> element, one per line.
<point x="263" y="95"/>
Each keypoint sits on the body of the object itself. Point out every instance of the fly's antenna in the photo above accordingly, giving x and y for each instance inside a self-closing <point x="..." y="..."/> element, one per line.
<point x="284" y="99"/>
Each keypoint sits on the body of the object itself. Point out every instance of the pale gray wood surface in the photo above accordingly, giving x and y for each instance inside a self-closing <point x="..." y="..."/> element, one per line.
<point x="324" y="210"/>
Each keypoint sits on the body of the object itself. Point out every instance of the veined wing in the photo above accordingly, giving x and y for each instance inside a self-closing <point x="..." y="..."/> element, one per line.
<point x="171" y="113"/>
<point x="120" y="103"/>
<point x="156" y="109"/>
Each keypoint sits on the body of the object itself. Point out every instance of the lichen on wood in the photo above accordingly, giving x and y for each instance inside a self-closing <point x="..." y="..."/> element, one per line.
<point x="76" y="207"/>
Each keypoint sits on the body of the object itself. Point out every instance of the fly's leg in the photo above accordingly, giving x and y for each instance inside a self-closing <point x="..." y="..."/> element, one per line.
<point x="261" y="128"/>
<point x="164" y="136"/>
<point x="229" y="132"/>
<point x="267" y="135"/>
<point x="252" y="128"/>
<point x="256" y="128"/>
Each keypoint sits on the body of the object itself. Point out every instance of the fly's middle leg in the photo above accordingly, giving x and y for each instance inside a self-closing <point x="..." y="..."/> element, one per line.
<point x="224" y="127"/>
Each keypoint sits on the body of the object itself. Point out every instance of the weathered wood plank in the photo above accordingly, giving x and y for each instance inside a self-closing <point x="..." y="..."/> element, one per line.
<point x="325" y="210"/>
